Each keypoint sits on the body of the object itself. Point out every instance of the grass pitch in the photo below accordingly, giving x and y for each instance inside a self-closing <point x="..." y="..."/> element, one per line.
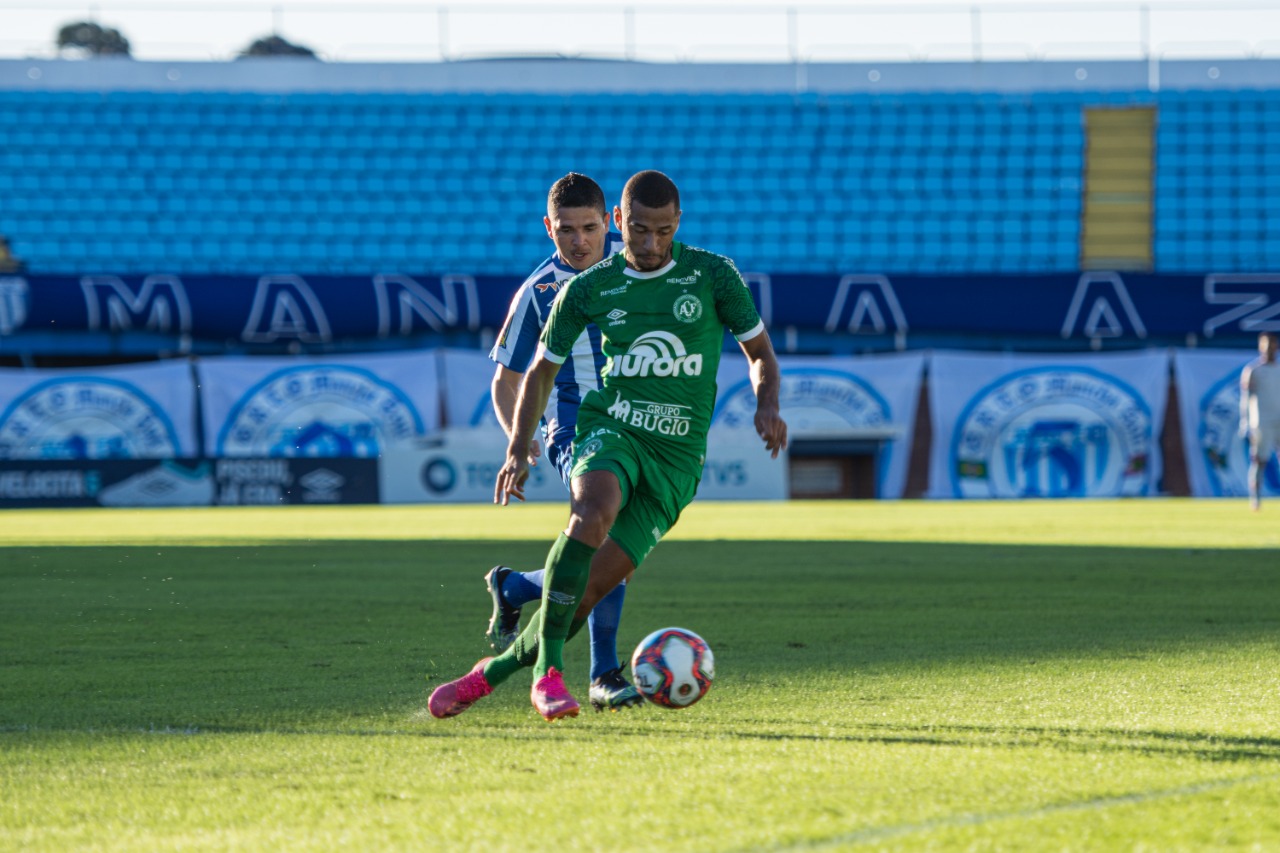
<point x="894" y="676"/>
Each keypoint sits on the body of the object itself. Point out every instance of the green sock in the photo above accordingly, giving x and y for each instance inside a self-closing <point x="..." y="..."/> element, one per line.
<point x="519" y="655"/>
<point x="523" y="652"/>
<point x="568" y="566"/>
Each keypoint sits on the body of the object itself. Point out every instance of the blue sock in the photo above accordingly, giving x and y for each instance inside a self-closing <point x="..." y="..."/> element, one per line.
<point x="520" y="588"/>
<point x="603" y="624"/>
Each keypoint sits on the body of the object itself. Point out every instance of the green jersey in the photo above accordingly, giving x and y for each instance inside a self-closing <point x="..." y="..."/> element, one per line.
<point x="663" y="332"/>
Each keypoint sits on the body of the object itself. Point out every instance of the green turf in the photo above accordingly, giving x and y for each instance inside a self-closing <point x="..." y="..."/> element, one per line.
<point x="902" y="676"/>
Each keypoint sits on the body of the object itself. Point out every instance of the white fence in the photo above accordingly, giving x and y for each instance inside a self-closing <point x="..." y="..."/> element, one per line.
<point x="744" y="30"/>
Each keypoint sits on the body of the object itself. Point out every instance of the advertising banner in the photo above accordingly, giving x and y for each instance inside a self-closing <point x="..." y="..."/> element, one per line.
<point x="309" y="407"/>
<point x="461" y="465"/>
<point x="186" y="482"/>
<point x="280" y="309"/>
<point x="868" y="398"/>
<point x="137" y="411"/>
<point x="1209" y="405"/>
<point x="106" y="482"/>
<point x="458" y="466"/>
<point x="268" y="482"/>
<point x="1046" y="426"/>
<point x="468" y="401"/>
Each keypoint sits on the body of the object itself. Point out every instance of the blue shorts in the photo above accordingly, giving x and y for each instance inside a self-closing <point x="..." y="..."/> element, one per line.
<point x="561" y="459"/>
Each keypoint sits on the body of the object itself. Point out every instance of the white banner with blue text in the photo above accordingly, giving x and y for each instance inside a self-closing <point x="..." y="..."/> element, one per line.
<point x="351" y="406"/>
<point x="1046" y="426"/>
<point x="137" y="411"/>
<point x="868" y="400"/>
<point x="1209" y="405"/>
<point x="461" y="466"/>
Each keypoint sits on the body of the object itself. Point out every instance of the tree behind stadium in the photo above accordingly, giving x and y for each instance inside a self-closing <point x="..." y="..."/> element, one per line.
<point x="93" y="39"/>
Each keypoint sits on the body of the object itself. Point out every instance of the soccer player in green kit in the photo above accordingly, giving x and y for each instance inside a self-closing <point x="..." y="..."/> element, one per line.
<point x="641" y="440"/>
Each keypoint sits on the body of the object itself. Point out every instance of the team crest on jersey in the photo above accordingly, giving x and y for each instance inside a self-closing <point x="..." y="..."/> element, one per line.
<point x="688" y="308"/>
<point x="656" y="353"/>
<point x="86" y="418"/>
<point x="1224" y="450"/>
<point x="329" y="410"/>
<point x="590" y="448"/>
<point x="1053" y="432"/>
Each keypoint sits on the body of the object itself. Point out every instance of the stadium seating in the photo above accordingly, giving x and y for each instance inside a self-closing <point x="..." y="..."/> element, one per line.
<point x="352" y="183"/>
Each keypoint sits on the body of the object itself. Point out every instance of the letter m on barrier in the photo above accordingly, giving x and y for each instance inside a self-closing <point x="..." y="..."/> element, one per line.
<point x="452" y="303"/>
<point x="159" y="305"/>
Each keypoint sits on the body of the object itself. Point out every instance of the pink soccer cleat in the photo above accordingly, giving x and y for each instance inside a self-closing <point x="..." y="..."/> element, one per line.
<point x="551" y="699"/>
<point x="453" y="697"/>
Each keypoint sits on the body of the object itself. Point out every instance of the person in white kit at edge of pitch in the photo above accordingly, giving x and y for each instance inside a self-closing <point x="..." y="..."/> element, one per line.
<point x="1260" y="411"/>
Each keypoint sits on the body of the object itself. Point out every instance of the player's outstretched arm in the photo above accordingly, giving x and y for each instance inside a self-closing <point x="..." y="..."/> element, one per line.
<point x="505" y="390"/>
<point x="534" y="391"/>
<point x="765" y="380"/>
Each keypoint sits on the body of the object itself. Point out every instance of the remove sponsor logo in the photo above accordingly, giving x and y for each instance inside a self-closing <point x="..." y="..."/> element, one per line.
<point x="656" y="354"/>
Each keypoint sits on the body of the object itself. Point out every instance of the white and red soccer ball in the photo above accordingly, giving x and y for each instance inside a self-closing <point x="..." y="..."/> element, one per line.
<point x="673" y="667"/>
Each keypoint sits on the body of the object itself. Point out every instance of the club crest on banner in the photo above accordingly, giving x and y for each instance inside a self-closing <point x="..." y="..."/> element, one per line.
<point x="1053" y="432"/>
<point x="812" y="400"/>
<point x="86" y="418"/>
<point x="327" y="410"/>
<point x="1224" y="450"/>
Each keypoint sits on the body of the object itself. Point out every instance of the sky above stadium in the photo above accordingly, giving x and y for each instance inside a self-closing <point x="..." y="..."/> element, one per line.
<point x="703" y="30"/>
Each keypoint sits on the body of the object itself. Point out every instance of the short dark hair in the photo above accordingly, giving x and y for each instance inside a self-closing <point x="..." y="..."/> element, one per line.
<point x="576" y="190"/>
<point x="650" y="188"/>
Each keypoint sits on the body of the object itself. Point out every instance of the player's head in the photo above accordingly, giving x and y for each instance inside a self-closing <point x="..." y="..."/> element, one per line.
<point x="577" y="220"/>
<point x="1267" y="344"/>
<point x="648" y="219"/>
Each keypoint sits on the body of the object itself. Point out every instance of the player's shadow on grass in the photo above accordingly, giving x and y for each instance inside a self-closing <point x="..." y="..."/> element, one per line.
<point x="1201" y="746"/>
<point x="279" y="635"/>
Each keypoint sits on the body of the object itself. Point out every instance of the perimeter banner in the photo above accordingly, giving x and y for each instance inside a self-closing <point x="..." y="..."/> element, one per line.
<point x="1209" y="403"/>
<point x="186" y="482"/>
<point x="309" y="407"/>
<point x="467" y="375"/>
<point x="1046" y="426"/>
<point x="141" y="411"/>
<point x="461" y="466"/>
<point x="868" y="398"/>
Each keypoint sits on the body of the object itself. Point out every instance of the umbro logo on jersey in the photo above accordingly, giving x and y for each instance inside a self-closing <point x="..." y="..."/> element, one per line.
<point x="616" y="314"/>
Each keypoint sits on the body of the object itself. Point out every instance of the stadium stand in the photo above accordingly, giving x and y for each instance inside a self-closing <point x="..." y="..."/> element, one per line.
<point x="245" y="182"/>
<point x="923" y="178"/>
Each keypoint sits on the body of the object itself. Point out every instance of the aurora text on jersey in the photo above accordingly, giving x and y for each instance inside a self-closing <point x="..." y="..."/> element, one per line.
<point x="663" y="333"/>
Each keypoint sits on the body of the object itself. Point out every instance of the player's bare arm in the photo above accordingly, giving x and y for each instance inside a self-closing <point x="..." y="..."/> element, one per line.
<point x="505" y="390"/>
<point x="765" y="381"/>
<point x="534" y="391"/>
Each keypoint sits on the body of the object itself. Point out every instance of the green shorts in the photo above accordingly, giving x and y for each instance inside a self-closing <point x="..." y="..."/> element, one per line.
<point x="653" y="493"/>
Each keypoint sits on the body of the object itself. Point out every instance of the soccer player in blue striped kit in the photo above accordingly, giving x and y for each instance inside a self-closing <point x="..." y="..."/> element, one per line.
<point x="577" y="221"/>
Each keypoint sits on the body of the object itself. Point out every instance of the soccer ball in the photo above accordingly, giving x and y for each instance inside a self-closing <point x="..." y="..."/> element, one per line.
<point x="673" y="667"/>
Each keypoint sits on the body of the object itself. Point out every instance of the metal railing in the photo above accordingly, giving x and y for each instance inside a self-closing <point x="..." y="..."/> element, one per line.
<point x="388" y="31"/>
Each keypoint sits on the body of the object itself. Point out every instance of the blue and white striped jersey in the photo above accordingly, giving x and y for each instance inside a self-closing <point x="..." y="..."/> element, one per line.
<point x="518" y="342"/>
